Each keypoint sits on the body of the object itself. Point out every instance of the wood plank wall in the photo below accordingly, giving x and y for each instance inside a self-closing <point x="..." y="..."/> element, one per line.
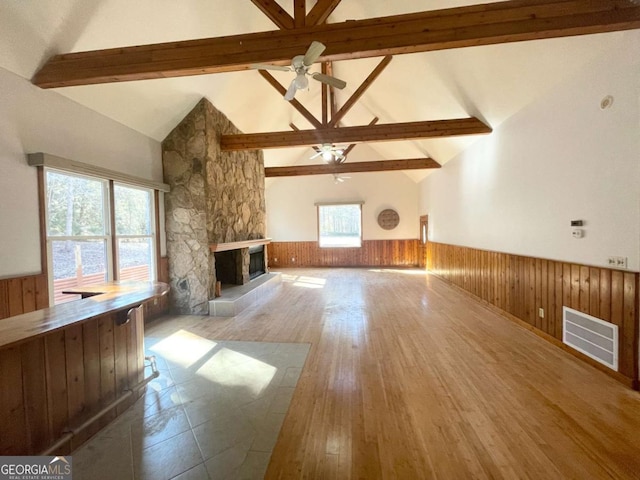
<point x="157" y="307"/>
<point x="23" y="294"/>
<point x="28" y="293"/>
<point x="53" y="382"/>
<point x="373" y="253"/>
<point x="521" y="285"/>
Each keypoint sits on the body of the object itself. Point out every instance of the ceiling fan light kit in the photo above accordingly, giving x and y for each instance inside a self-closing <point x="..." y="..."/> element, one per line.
<point x="329" y="153"/>
<point x="300" y="64"/>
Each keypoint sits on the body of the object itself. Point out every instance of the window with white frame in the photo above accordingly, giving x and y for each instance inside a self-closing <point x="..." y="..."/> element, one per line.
<point x="134" y="232"/>
<point x="79" y="236"/>
<point x="340" y="225"/>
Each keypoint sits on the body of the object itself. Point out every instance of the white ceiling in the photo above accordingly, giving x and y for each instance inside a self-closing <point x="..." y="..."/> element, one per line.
<point x="491" y="82"/>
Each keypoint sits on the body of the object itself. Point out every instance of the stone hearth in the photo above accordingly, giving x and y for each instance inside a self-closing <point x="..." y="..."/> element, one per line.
<point x="216" y="197"/>
<point x="237" y="298"/>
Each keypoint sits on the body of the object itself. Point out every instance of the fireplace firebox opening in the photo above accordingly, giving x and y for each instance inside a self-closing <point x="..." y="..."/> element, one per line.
<point x="256" y="261"/>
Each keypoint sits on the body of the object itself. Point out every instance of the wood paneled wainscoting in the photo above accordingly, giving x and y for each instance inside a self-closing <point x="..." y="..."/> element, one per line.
<point x="53" y="382"/>
<point x="31" y="292"/>
<point x="373" y="253"/>
<point x="520" y="286"/>
<point x="23" y="294"/>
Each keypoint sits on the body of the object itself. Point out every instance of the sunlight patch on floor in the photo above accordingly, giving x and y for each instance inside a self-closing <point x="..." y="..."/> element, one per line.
<point x="183" y="348"/>
<point x="234" y="369"/>
<point x="304" y="281"/>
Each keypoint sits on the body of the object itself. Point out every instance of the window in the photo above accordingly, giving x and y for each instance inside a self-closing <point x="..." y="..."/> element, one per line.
<point x="134" y="233"/>
<point x="79" y="237"/>
<point x="340" y="225"/>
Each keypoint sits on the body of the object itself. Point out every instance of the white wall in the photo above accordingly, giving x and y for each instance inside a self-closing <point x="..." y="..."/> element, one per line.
<point x="35" y="120"/>
<point x="292" y="215"/>
<point x="559" y="159"/>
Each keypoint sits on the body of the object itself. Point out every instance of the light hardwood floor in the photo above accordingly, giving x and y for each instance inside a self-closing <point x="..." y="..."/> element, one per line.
<point x="409" y="378"/>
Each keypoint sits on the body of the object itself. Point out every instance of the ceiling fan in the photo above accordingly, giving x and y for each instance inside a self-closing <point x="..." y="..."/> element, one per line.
<point x="330" y="153"/>
<point x="300" y="65"/>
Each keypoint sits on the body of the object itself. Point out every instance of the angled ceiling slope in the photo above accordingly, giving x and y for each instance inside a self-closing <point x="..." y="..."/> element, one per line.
<point x="474" y="25"/>
<point x="492" y="82"/>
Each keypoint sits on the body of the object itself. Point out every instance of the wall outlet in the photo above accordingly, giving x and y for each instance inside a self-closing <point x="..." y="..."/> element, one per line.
<point x="541" y="312"/>
<point x="275" y="260"/>
<point x="293" y="259"/>
<point x="617" y="262"/>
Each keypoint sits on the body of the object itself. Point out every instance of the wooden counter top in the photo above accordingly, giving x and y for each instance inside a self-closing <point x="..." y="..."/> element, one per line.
<point x="107" y="298"/>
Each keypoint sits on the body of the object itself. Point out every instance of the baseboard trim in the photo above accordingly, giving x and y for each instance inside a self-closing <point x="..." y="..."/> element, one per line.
<point x="629" y="382"/>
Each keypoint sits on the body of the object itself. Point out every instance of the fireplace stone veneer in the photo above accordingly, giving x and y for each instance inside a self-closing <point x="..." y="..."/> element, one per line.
<point x="216" y="198"/>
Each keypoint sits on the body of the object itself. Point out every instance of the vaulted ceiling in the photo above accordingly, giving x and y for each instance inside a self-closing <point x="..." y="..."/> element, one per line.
<point x="491" y="82"/>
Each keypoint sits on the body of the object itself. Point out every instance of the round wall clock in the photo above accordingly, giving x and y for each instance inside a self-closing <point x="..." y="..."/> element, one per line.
<point x="388" y="219"/>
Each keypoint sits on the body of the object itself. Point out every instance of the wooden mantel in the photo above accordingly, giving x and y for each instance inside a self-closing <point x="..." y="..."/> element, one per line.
<point x="223" y="247"/>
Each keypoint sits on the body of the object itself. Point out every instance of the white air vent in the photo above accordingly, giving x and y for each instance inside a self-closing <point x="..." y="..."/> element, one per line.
<point x="590" y="335"/>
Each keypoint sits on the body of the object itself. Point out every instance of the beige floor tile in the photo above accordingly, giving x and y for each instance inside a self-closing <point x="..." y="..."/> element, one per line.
<point x="227" y="409"/>
<point x="156" y="401"/>
<point x="199" y="472"/>
<point x="267" y="433"/>
<point x="281" y="400"/>
<point x="256" y="411"/>
<point x="206" y="408"/>
<point x="291" y="376"/>
<point x="167" y="459"/>
<point x="226" y="464"/>
<point x="222" y="433"/>
<point x="149" y="431"/>
<point x="106" y="459"/>
<point x="254" y="466"/>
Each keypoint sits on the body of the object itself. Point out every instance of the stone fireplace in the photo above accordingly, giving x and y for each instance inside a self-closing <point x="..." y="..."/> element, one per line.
<point x="215" y="211"/>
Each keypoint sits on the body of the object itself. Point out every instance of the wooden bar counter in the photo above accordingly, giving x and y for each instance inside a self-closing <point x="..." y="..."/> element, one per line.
<point x="61" y="365"/>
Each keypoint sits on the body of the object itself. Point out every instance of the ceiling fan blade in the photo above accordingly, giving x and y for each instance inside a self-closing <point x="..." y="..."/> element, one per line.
<point x="316" y="155"/>
<point x="333" y="81"/>
<point x="313" y="52"/>
<point x="266" y="66"/>
<point x="291" y="91"/>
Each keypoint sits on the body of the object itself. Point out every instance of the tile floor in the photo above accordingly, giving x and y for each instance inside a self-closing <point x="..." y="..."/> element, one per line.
<point x="214" y="412"/>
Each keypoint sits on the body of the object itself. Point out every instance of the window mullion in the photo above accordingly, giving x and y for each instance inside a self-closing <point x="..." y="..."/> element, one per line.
<point x="112" y="251"/>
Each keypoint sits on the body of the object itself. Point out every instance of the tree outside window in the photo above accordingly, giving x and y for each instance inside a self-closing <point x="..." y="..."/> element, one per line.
<point x="340" y="225"/>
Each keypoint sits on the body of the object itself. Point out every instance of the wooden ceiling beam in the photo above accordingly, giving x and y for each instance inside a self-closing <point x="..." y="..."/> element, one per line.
<point x="351" y="147"/>
<point x="299" y="13"/>
<point x="484" y="24"/>
<point x="343" y="135"/>
<point x="339" y="115"/>
<point x="332" y="92"/>
<point x="296" y="129"/>
<point x="276" y="13"/>
<point x="352" y="167"/>
<point x="324" y="96"/>
<point x="321" y="11"/>
<point x="294" y="103"/>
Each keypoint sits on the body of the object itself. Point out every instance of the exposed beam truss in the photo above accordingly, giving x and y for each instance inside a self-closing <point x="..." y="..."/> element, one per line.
<point x="321" y="11"/>
<point x="352" y="167"/>
<point x="339" y="115"/>
<point x="473" y="25"/>
<point x="370" y="133"/>
<point x="294" y="103"/>
<point x="276" y="13"/>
